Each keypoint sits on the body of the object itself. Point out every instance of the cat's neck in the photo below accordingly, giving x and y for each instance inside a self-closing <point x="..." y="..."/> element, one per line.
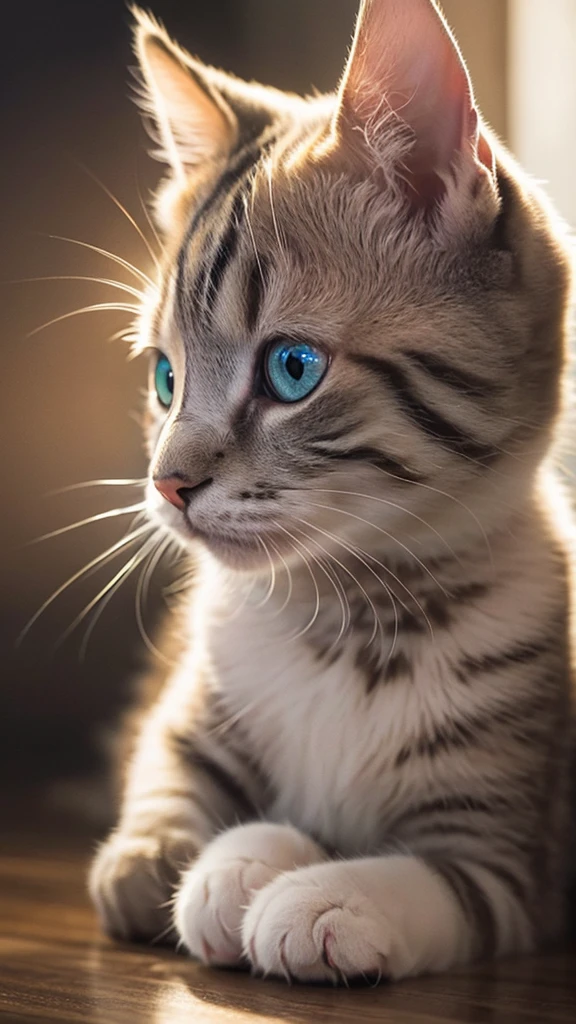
<point x="354" y="592"/>
<point x="349" y="591"/>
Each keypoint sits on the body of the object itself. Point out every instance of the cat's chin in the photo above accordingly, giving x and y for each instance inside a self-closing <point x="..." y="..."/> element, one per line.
<point x="244" y="554"/>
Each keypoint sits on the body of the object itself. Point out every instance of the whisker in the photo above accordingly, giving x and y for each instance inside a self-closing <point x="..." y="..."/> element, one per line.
<point x="272" y="208"/>
<point x="390" y="536"/>
<point x="100" y="306"/>
<point x="316" y="610"/>
<point x="272" y="583"/>
<point x="288" y="574"/>
<point x="153" y="563"/>
<point x="123" y="210"/>
<point x="443" y="494"/>
<point x="128" y="288"/>
<point x="99" y="483"/>
<point x="140" y="517"/>
<point x="357" y="552"/>
<point x="344" y="605"/>
<point x="101" y="559"/>
<point x="334" y="579"/>
<point x="110" y="587"/>
<point x="91" y="519"/>
<point x="242" y="605"/>
<point x="142" y="590"/>
<point x="336" y="584"/>
<point x="96" y="618"/>
<point x="401" y="508"/>
<point x="377" y="623"/>
<point x="253" y="240"/>
<point x="149" y="220"/>
<point x="109" y="255"/>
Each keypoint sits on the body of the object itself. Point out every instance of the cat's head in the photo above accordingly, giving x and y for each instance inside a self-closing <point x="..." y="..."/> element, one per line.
<point x="361" y="312"/>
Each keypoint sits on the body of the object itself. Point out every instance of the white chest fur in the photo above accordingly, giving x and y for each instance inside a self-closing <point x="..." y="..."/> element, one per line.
<point x="330" y="750"/>
<point x="327" y="747"/>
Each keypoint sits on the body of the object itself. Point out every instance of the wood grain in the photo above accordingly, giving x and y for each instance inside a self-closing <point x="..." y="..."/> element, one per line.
<point x="55" y="966"/>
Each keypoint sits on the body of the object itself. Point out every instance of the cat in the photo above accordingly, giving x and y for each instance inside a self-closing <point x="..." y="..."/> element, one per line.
<point x="359" y="766"/>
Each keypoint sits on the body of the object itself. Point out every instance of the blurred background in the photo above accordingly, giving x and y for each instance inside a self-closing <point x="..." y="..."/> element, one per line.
<point x="69" y="398"/>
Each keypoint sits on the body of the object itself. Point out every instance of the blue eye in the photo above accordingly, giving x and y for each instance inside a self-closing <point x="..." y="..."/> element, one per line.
<point x="293" y="369"/>
<point x="164" y="381"/>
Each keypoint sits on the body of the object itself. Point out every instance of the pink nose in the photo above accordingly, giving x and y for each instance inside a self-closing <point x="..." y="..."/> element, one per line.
<point x="179" y="491"/>
<point x="171" y="488"/>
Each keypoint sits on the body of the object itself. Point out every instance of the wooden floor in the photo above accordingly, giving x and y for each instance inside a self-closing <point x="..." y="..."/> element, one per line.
<point x="54" y="966"/>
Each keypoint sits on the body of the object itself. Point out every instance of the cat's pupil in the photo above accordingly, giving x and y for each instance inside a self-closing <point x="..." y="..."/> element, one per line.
<point x="295" y="367"/>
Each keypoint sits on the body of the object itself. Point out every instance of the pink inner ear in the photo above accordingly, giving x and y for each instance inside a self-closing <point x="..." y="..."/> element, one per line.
<point x="405" y="62"/>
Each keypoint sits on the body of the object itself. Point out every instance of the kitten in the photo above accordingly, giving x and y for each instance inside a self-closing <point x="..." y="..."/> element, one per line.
<point x="360" y="764"/>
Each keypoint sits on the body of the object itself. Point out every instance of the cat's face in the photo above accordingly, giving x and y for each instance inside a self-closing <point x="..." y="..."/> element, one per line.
<point x="360" y="319"/>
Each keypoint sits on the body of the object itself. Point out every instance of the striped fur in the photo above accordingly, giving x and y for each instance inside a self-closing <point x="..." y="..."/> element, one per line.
<point x="367" y="739"/>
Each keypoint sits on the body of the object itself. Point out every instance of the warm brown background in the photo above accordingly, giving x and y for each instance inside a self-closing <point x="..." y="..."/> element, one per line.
<point x="68" y="395"/>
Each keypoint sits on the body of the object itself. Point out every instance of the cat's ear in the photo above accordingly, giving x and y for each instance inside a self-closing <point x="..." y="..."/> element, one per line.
<point x="190" y="119"/>
<point x="405" y="71"/>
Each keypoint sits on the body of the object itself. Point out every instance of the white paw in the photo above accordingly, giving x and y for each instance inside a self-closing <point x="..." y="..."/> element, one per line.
<point x="315" y="925"/>
<point x="211" y="904"/>
<point x="371" y="917"/>
<point x="214" y="894"/>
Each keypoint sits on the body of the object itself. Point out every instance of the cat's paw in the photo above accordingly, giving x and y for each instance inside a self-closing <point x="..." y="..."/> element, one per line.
<point x="132" y="880"/>
<point x="369" y="917"/>
<point x="216" y="892"/>
<point x="317" y="925"/>
<point x="211" y="904"/>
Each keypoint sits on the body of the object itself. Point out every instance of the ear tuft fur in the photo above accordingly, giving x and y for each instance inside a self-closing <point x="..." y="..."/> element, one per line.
<point x="188" y="119"/>
<point x="406" y="80"/>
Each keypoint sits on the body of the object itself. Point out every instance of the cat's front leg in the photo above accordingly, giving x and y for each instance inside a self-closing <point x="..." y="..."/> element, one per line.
<point x="133" y="878"/>
<point x="217" y="890"/>
<point x="182" y="788"/>
<point x="378" y="917"/>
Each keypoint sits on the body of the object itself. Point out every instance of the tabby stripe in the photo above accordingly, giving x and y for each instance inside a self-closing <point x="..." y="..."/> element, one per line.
<point x="455" y="737"/>
<point x="165" y="795"/>
<point x="408" y="622"/>
<point x="448" y="828"/>
<point x="464" y="381"/>
<point x="451" y="805"/>
<point x="462" y="734"/>
<point x="469" y="592"/>
<point x="502" y="843"/>
<point x="225" y="252"/>
<point x="521" y="654"/>
<point x="224" y="781"/>
<point x="337" y="434"/>
<point x="518" y="888"/>
<point x="185" y="748"/>
<point x="447" y="434"/>
<point x="374" y="456"/>
<point x="475" y="904"/>
<point x="233" y="175"/>
<point x="397" y="666"/>
<point x="506" y="874"/>
<point x="257" y="281"/>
